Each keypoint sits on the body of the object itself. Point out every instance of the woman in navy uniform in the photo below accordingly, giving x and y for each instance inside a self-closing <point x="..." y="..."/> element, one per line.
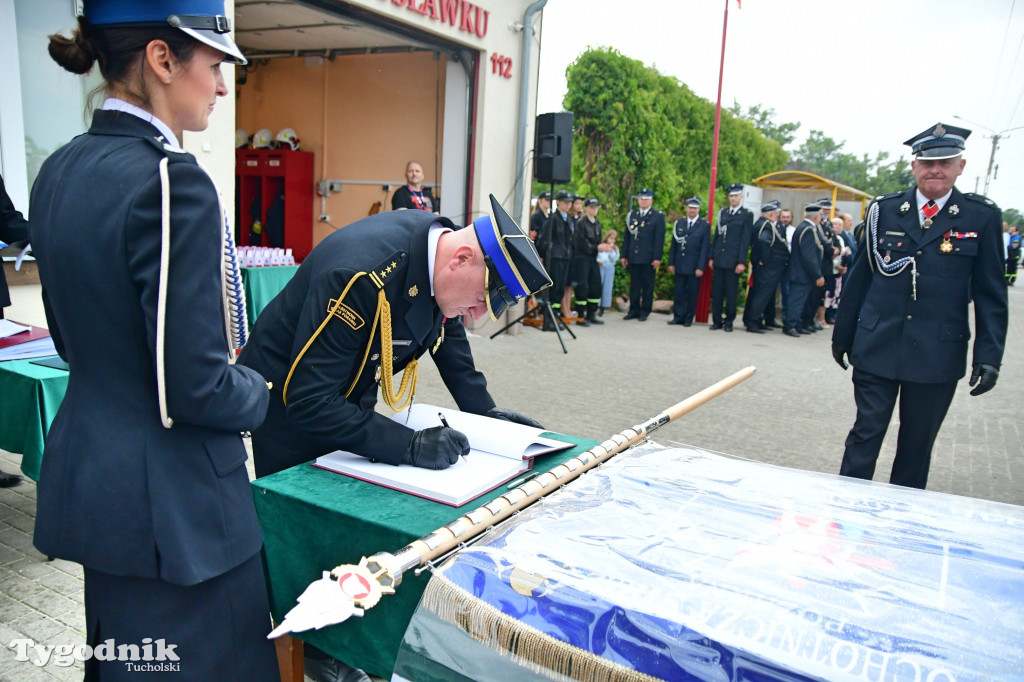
<point x="930" y="251"/>
<point x="143" y="480"/>
<point x="687" y="253"/>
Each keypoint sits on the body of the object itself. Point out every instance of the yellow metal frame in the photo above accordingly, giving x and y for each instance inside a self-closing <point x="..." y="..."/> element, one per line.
<point x="802" y="180"/>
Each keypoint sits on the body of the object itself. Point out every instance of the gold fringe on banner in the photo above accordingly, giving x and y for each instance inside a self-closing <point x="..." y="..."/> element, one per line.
<point x="537" y="651"/>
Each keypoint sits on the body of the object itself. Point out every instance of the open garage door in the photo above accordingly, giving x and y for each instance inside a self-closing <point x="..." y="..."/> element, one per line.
<point x="365" y="94"/>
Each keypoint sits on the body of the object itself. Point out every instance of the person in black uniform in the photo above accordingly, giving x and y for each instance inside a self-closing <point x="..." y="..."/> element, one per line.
<point x="729" y="257"/>
<point x="13" y="229"/>
<point x="143" y="478"/>
<point x="413" y="195"/>
<point x="903" y="317"/>
<point x="554" y="243"/>
<point x="814" y="310"/>
<point x="643" y="247"/>
<point x="804" y="269"/>
<point x="586" y="237"/>
<point x="540" y="215"/>
<point x="769" y="256"/>
<point x="687" y="253"/>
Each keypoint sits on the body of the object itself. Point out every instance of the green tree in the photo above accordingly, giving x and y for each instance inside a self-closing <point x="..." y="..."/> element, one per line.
<point x="634" y="128"/>
<point x="764" y="120"/>
<point x="1013" y="217"/>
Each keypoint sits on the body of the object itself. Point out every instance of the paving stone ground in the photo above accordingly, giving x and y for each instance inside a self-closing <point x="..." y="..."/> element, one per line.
<point x="794" y="412"/>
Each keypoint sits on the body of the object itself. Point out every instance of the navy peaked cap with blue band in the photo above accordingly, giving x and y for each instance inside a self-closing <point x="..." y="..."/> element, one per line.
<point x="939" y="142"/>
<point x="734" y="188"/>
<point x="204" y="20"/>
<point x="770" y="206"/>
<point x="646" y="193"/>
<point x="514" y="269"/>
<point x="693" y="201"/>
<point x="812" y="207"/>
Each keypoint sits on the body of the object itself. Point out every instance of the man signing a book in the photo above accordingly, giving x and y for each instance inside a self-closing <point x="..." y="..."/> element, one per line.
<point x="366" y="303"/>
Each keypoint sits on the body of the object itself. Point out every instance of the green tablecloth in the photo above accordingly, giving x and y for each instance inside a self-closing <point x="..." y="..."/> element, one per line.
<point x="29" y="397"/>
<point x="263" y="284"/>
<point x="314" y="520"/>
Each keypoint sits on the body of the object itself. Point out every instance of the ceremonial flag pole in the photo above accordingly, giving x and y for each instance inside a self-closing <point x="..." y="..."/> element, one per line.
<point x="704" y="295"/>
<point x="349" y="590"/>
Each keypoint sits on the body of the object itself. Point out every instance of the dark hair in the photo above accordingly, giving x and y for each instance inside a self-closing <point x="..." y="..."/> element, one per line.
<point x="118" y="50"/>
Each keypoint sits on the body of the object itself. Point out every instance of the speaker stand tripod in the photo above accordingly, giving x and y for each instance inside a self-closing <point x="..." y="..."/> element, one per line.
<point x="549" y="315"/>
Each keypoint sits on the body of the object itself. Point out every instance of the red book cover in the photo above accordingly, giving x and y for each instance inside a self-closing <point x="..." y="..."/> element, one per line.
<point x="32" y="334"/>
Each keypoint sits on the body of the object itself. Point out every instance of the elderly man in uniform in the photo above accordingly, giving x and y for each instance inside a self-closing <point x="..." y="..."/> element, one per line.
<point x="769" y="255"/>
<point x="643" y="247"/>
<point x="903" y="319"/>
<point x="729" y="257"/>
<point x="687" y="253"/>
<point x="804" y="269"/>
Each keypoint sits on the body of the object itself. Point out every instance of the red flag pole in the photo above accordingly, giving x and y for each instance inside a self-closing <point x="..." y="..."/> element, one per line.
<point x="704" y="295"/>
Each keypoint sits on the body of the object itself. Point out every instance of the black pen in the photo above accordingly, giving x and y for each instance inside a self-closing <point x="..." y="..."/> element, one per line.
<point x="444" y="422"/>
<point x="521" y="481"/>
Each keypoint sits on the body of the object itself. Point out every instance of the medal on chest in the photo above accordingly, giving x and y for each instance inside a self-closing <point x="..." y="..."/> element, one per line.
<point x="440" y="338"/>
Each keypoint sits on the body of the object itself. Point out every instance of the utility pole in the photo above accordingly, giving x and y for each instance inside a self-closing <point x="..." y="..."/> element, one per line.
<point x="995" y="143"/>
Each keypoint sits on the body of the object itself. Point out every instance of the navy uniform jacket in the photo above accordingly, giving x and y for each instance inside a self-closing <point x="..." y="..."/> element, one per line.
<point x="649" y="243"/>
<point x="559" y="231"/>
<point x="892" y="335"/>
<point x="13" y="228"/>
<point x="805" y="254"/>
<point x="318" y="418"/>
<point x="118" y="492"/>
<point x="692" y="253"/>
<point x="729" y="247"/>
<point x="768" y="245"/>
<point x="537" y="221"/>
<point x="585" y="238"/>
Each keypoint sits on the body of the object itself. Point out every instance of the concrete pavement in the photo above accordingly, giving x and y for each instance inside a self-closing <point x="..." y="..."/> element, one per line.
<point x="795" y="412"/>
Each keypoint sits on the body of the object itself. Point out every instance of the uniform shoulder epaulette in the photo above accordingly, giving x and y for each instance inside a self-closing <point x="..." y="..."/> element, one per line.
<point x="890" y="195"/>
<point x="388" y="268"/>
<point x="981" y="199"/>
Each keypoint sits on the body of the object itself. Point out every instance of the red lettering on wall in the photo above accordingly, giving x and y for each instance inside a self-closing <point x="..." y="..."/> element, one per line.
<point x="467" y="14"/>
<point x="449" y="11"/>
<point x="429" y="6"/>
<point x="472" y="19"/>
<point x="481" y="30"/>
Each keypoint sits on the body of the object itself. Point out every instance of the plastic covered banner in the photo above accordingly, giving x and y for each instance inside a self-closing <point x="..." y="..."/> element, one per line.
<point x="680" y="564"/>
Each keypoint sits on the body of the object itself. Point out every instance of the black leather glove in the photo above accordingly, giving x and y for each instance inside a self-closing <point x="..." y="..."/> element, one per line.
<point x="436" y="448"/>
<point x="985" y="377"/>
<point x="840" y="355"/>
<point x="512" y="416"/>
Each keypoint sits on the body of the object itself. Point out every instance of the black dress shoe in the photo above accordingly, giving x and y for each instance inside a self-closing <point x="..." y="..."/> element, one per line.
<point x="594" y="320"/>
<point x="727" y="326"/>
<point x="805" y="330"/>
<point x="791" y="332"/>
<point x="773" y="325"/>
<point x="687" y="324"/>
<point x="631" y="316"/>
<point x="675" y="322"/>
<point x="9" y="480"/>
<point x="715" y="327"/>
<point x="755" y="330"/>
<point x="642" y="318"/>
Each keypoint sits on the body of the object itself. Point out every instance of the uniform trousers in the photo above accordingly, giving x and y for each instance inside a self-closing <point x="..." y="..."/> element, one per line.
<point x="559" y="271"/>
<point x="922" y="409"/>
<point x="684" y="301"/>
<point x="587" y="274"/>
<point x="218" y="627"/>
<point x="724" y="284"/>
<point x="798" y="295"/>
<point x="641" y="289"/>
<point x="766" y="281"/>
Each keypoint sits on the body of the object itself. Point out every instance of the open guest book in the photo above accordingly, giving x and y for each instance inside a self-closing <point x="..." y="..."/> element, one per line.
<point x="500" y="451"/>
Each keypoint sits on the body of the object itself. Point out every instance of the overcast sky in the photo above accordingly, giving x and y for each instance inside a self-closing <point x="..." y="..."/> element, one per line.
<point x="870" y="72"/>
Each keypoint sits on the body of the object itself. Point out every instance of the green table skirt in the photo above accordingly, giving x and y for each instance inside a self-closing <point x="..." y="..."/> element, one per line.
<point x="29" y="397"/>
<point x="314" y="520"/>
<point x="262" y="285"/>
